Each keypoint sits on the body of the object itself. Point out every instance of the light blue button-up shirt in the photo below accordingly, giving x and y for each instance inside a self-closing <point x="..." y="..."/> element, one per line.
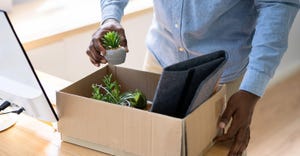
<point x="253" y="32"/>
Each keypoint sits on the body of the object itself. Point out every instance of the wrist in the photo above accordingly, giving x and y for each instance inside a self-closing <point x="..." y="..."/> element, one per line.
<point x="109" y="20"/>
<point x="250" y="96"/>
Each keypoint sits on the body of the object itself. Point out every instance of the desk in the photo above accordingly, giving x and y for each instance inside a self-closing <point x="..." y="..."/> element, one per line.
<point x="31" y="137"/>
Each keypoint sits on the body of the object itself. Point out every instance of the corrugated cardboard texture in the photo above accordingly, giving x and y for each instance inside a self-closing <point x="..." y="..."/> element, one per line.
<point x="131" y="79"/>
<point x="86" y="119"/>
<point x="121" y="130"/>
<point x="201" y="124"/>
<point x="118" y="127"/>
<point x="166" y="135"/>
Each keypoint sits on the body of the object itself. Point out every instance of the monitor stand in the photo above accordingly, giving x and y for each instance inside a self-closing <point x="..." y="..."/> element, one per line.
<point x="8" y="120"/>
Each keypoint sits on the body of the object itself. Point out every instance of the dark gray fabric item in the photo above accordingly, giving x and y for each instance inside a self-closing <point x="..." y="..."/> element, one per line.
<point x="185" y="85"/>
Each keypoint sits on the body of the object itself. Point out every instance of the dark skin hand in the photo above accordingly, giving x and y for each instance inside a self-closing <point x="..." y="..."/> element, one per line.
<point x="240" y="109"/>
<point x="96" y="51"/>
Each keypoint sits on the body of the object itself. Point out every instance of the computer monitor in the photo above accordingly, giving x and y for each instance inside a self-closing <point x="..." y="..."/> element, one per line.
<point x="19" y="83"/>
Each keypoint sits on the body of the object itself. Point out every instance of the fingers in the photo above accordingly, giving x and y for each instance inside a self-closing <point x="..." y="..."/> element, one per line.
<point x="224" y="120"/>
<point x="123" y="40"/>
<point x="96" y="43"/>
<point x="241" y="142"/>
<point x="96" y="51"/>
<point x="234" y="127"/>
<point x="240" y="109"/>
<point x="95" y="57"/>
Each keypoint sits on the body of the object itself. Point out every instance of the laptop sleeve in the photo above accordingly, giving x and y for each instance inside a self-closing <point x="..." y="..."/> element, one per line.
<point x="185" y="85"/>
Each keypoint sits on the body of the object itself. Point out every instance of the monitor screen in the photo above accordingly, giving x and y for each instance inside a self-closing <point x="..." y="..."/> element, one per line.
<point x="19" y="83"/>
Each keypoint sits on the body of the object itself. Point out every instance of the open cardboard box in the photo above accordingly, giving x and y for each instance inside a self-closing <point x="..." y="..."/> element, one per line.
<point x="121" y="130"/>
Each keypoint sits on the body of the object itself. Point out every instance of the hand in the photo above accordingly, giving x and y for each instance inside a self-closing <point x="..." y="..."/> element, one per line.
<point x="96" y="51"/>
<point x="240" y="108"/>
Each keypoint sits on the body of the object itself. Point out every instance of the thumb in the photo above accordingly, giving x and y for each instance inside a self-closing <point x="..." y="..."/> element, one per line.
<point x="225" y="118"/>
<point x="123" y="40"/>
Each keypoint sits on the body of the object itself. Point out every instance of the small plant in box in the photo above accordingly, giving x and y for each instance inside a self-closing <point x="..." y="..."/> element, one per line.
<point x="110" y="92"/>
<point x="115" y="54"/>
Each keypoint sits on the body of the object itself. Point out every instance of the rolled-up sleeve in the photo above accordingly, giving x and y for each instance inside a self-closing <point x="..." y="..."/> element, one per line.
<point x="112" y="9"/>
<point x="275" y="18"/>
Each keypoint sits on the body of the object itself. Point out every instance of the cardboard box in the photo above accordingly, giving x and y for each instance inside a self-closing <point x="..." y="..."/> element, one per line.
<point x="121" y="130"/>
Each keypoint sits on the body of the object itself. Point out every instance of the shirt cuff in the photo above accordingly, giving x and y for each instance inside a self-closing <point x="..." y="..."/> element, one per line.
<point x="112" y="11"/>
<point x="255" y="82"/>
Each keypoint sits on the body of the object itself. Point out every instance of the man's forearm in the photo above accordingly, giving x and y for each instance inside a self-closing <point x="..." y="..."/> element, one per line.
<point x="269" y="42"/>
<point x="112" y="9"/>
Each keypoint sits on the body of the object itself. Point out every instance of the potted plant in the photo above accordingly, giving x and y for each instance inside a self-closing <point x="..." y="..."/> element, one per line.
<point x="115" y="54"/>
<point x="110" y="92"/>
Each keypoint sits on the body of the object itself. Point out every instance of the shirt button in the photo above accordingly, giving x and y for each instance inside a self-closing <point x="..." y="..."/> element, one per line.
<point x="181" y="49"/>
<point x="176" y="25"/>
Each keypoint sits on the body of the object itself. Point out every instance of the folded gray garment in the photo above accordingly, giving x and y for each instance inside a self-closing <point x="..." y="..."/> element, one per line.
<point x="184" y="86"/>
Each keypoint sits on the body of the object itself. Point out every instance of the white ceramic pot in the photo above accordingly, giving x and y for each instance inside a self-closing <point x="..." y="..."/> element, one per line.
<point x="115" y="56"/>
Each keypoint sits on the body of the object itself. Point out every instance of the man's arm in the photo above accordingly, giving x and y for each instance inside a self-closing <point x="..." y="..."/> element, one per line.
<point x="275" y="18"/>
<point x="112" y="9"/>
<point x="269" y="43"/>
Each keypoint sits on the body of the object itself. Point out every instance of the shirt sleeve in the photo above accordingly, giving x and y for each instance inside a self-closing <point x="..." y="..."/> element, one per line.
<point x="275" y="18"/>
<point x="112" y="9"/>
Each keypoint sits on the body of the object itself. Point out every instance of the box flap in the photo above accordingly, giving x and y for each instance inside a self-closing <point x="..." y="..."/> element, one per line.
<point x="201" y="124"/>
<point x="83" y="87"/>
<point x="131" y="79"/>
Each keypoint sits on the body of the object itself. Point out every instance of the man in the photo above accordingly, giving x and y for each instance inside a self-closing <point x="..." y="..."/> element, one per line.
<point x="253" y="32"/>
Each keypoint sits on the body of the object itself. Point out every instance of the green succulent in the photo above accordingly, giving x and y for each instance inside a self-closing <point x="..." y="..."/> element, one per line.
<point x="139" y="100"/>
<point x="110" y="92"/>
<point x="111" y="40"/>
